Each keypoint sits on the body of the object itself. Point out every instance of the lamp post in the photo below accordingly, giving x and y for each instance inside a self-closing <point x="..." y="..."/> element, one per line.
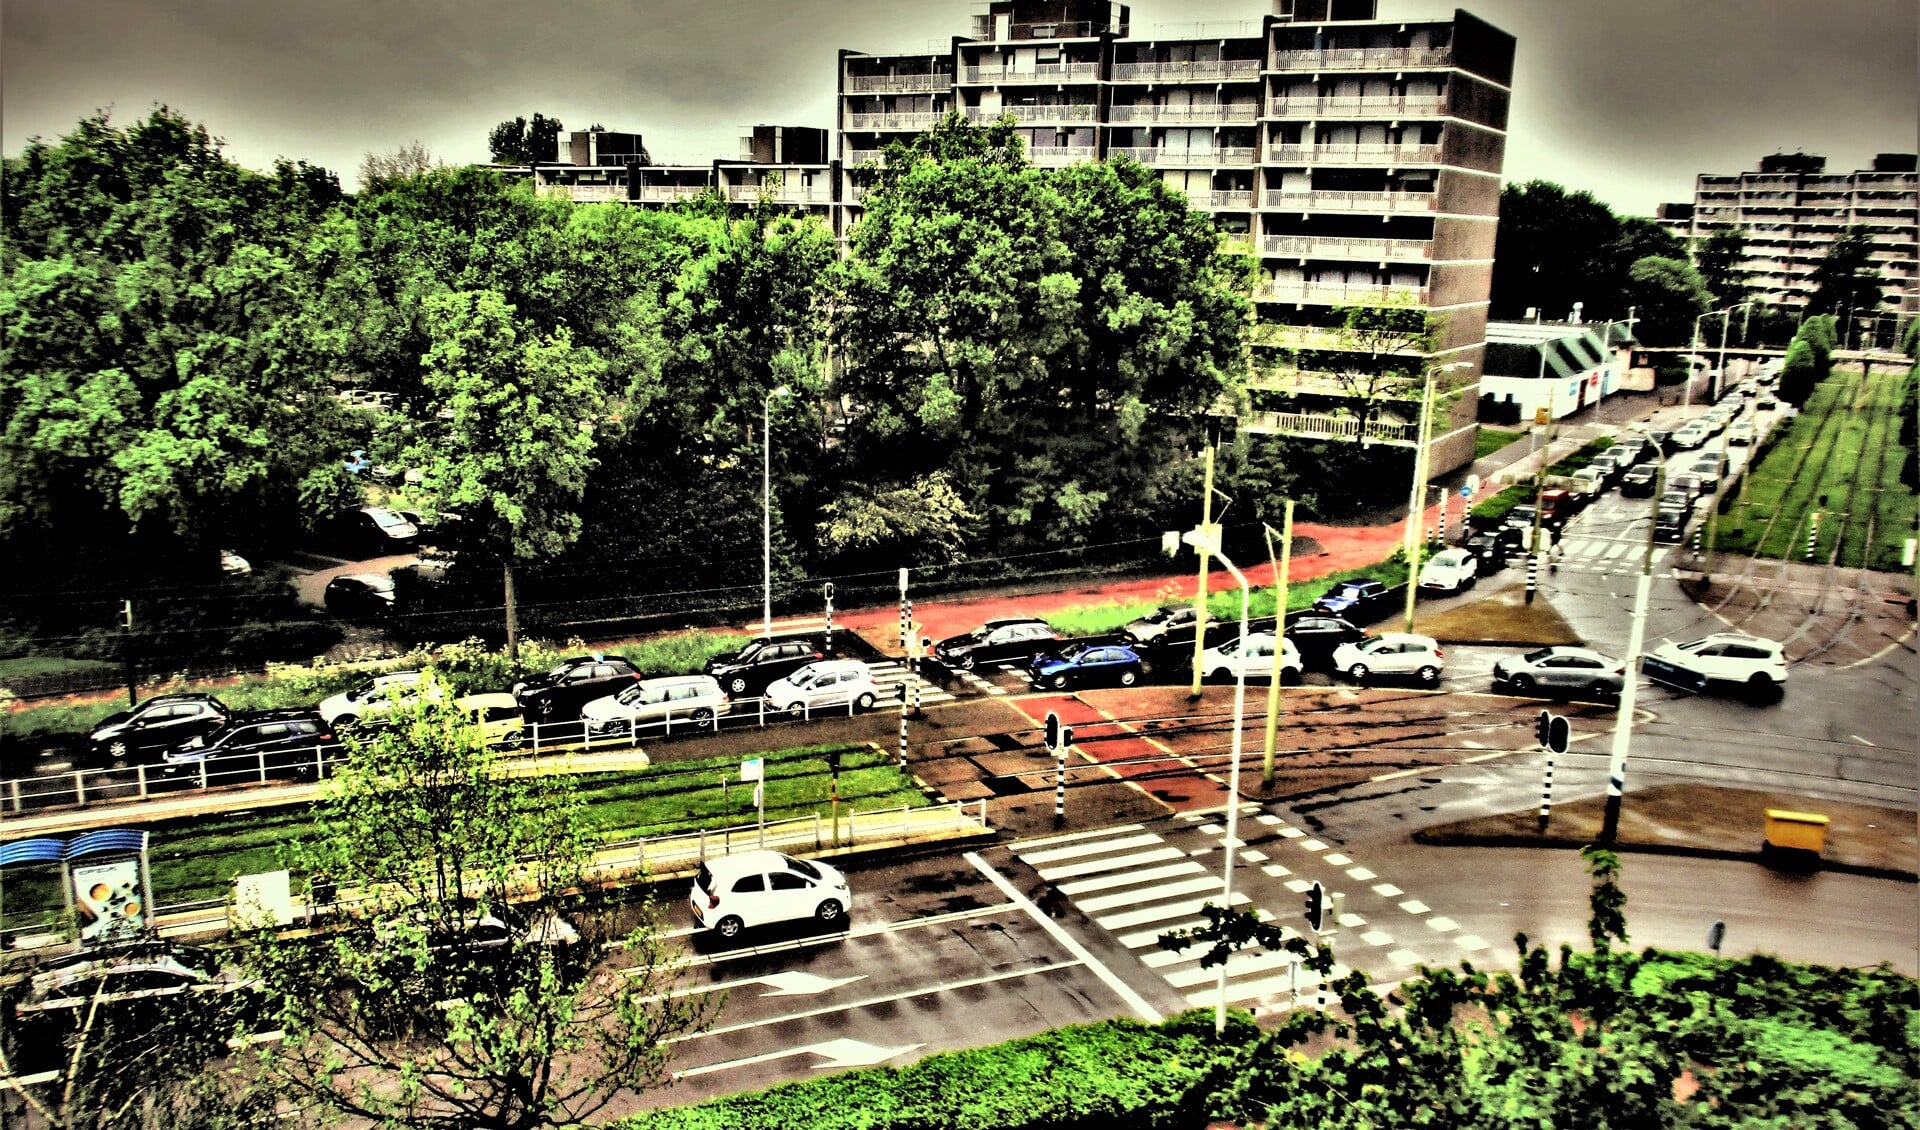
<point x="1417" y="498"/>
<point x="1720" y="366"/>
<point x="766" y="505"/>
<point x="1630" y="678"/>
<point x="1207" y="542"/>
<point x="1282" y="565"/>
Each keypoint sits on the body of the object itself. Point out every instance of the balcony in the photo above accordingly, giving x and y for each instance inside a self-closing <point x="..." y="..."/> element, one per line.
<point x="780" y="193"/>
<point x="1072" y="112"/>
<point x="985" y="30"/>
<point x="1333" y="294"/>
<point x="915" y="120"/>
<point x="1330" y="426"/>
<point x="1041" y="72"/>
<point x="1054" y="156"/>
<point x="1346" y="201"/>
<point x="1279" y="335"/>
<point x="649" y="193"/>
<point x="1197" y="70"/>
<point x="1198" y="157"/>
<point x="1184" y="115"/>
<point x="1354" y="156"/>
<point x="1364" y="59"/>
<point x="1405" y="105"/>
<point x="1345" y="247"/>
<point x="862" y="156"/>
<point x="899" y="84"/>
<point x="1225" y="198"/>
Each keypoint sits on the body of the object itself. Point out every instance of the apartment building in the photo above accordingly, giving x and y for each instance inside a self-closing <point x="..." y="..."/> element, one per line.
<point x="1792" y="210"/>
<point x="786" y="165"/>
<point x="1357" y="159"/>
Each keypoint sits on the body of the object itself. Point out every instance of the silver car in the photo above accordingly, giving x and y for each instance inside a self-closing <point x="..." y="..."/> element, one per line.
<point x="825" y="685"/>
<point x="685" y="699"/>
<point x="1579" y="671"/>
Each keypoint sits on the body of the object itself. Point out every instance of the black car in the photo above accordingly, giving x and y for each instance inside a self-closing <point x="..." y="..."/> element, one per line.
<point x="1670" y="527"/>
<point x="277" y="742"/>
<point x="377" y="531"/>
<point x="1358" y="599"/>
<point x="153" y="726"/>
<point x="1662" y="439"/>
<point x="559" y="694"/>
<point x="1492" y="548"/>
<point x="1012" y="639"/>
<point x="1169" y="626"/>
<point x="747" y="672"/>
<point x="1639" y="481"/>
<point x="1316" y="637"/>
<point x="360" y="596"/>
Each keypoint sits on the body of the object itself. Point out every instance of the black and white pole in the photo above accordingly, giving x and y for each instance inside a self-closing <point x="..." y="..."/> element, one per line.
<point x="1813" y="533"/>
<point x="1060" y="787"/>
<point x="1546" y="794"/>
<point x="1533" y="573"/>
<point x="1552" y="733"/>
<point x="827" y="591"/>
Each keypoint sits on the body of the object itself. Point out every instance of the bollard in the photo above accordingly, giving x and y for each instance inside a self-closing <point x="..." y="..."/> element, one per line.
<point x="1546" y="795"/>
<point x="1060" y="788"/>
<point x="1533" y="575"/>
<point x="1813" y="533"/>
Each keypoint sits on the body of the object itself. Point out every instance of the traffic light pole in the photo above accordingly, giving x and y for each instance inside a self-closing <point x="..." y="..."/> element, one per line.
<point x="1281" y="567"/>
<point x="1630" y="678"/>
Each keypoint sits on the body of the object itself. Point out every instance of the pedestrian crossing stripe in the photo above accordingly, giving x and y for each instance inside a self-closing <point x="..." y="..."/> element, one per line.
<point x="891" y="675"/>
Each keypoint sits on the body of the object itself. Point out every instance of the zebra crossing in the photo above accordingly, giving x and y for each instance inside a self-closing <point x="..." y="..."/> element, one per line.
<point x="1138" y="883"/>
<point x="1611" y="556"/>
<point x="892" y="674"/>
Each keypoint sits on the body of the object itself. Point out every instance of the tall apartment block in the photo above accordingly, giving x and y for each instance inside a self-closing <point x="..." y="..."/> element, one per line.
<point x="1792" y="210"/>
<point x="1356" y="158"/>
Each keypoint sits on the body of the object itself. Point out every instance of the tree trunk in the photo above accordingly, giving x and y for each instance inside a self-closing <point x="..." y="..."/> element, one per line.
<point x="513" y="627"/>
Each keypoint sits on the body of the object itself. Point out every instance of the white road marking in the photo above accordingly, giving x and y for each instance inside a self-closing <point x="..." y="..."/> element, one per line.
<point x="1125" y="991"/>
<point x="1130" y="878"/>
<point x="1095" y="866"/>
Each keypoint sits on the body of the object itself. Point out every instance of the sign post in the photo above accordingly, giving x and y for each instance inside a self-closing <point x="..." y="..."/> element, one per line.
<point x="755" y="769"/>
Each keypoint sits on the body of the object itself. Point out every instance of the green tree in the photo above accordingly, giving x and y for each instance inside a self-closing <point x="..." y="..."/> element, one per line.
<point x="410" y="160"/>
<point x="1383" y="353"/>
<point x="1845" y="281"/>
<point x="520" y="142"/>
<point x="1799" y="372"/>
<point x="1719" y="259"/>
<point x="1669" y="295"/>
<point x="511" y="444"/>
<point x="387" y="1018"/>
<point x="1553" y="248"/>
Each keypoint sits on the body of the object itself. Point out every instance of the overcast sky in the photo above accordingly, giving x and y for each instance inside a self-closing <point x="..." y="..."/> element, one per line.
<point x="1629" y="99"/>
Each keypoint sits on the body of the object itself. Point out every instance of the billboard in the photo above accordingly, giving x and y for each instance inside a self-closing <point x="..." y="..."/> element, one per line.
<point x="107" y="899"/>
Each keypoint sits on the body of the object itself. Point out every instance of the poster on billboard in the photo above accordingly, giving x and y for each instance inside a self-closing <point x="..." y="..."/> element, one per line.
<point x="108" y="901"/>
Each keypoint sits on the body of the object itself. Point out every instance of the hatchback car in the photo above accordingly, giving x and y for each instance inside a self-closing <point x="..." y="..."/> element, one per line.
<point x="1639" y="482"/>
<point x="360" y="596"/>
<point x="1251" y="657"/>
<point x="1449" y="571"/>
<point x="694" y="700"/>
<point x="1690" y="436"/>
<point x="747" y="672"/>
<point x="1725" y="657"/>
<point x="1392" y="653"/>
<point x="1358" y="599"/>
<point x="497" y="714"/>
<point x="1317" y="637"/>
<point x="827" y="684"/>
<point x="377" y="531"/>
<point x="373" y="697"/>
<point x="162" y="721"/>
<point x="1742" y="434"/>
<point x="1081" y="663"/>
<point x="756" y="888"/>
<point x="276" y="742"/>
<point x="1575" y="670"/>
<point x="1013" y="639"/>
<point x="1170" y="626"/>
<point x="570" y="684"/>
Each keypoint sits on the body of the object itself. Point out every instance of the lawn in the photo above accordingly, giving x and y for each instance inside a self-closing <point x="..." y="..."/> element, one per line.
<point x="1486" y="441"/>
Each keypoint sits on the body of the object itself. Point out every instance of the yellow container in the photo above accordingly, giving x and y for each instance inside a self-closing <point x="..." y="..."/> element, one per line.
<point x="1803" y="831"/>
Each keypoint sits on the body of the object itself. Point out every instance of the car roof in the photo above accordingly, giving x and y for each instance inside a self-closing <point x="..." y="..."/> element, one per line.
<point x="1403" y="637"/>
<point x="1003" y="621"/>
<point x="743" y="862"/>
<point x="488" y="700"/>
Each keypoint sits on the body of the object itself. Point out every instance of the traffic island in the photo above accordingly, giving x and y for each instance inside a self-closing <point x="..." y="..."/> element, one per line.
<point x="1501" y="619"/>
<point x="1705" y="820"/>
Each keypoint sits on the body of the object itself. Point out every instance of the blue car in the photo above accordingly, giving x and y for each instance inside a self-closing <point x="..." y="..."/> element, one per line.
<point x="1086" y="663"/>
<point x="1356" y="600"/>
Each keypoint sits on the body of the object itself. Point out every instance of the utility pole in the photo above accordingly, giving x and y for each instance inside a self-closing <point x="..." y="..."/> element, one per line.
<point x="1200" y="599"/>
<point x="1630" y="680"/>
<point x="1281" y="568"/>
<point x="1416" y="499"/>
<point x="126" y="646"/>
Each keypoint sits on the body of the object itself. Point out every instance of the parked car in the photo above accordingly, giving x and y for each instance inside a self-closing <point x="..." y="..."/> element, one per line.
<point x="1012" y="639"/>
<point x="1449" y="571"/>
<point x="1639" y="482"/>
<point x="1170" y="626"/>
<point x="360" y="596"/>
<point x="377" y="531"/>
<point x="1742" y="434"/>
<point x="161" y="722"/>
<point x="1755" y="662"/>
<point x="498" y="716"/>
<point x="1081" y="663"/>
<point x="747" y="672"/>
<point x="234" y="565"/>
<point x="570" y="684"/>
<point x="1578" y="670"/>
<point x="1670" y="526"/>
<point x="1253" y="657"/>
<point x="1492" y="548"/>
<point x="756" y="888"/>
<point x="1589" y="483"/>
<point x="825" y="685"/>
<point x="369" y="698"/>
<point x="283" y="742"/>
<point x="1318" y="636"/>
<point x="1358" y="599"/>
<point x="691" y="700"/>
<point x="1392" y="653"/>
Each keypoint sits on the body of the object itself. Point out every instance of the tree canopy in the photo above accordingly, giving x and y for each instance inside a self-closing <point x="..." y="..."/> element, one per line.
<point x="1845" y="281"/>
<point x="520" y="142"/>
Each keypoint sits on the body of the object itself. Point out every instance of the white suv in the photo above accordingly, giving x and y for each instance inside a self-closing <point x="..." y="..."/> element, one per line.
<point x="754" y="888"/>
<point x="824" y="685"/>
<point x="1724" y="657"/>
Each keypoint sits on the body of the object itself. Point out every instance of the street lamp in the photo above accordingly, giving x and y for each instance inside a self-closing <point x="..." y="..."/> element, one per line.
<point x="1208" y="542"/>
<point x="1630" y="678"/>
<point x="1418" y="496"/>
<point x="766" y="503"/>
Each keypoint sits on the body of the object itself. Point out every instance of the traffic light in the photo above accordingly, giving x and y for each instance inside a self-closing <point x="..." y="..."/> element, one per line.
<point x="1053" y="731"/>
<point x="1316" y="907"/>
<point x="1542" y="725"/>
<point x="1552" y="731"/>
<point x="833" y="760"/>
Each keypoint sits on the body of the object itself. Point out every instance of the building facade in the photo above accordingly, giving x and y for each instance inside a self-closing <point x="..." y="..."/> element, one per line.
<point x="1558" y="367"/>
<point x="1792" y="210"/>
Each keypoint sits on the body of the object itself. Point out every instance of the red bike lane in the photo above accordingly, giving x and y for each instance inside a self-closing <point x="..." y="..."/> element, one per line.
<point x="1138" y="759"/>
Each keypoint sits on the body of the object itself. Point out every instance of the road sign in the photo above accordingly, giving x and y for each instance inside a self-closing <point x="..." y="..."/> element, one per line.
<point x="1471" y="487"/>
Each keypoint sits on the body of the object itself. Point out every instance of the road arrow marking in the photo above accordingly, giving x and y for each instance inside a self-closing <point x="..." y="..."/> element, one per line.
<point x="798" y="984"/>
<point x="834" y="1054"/>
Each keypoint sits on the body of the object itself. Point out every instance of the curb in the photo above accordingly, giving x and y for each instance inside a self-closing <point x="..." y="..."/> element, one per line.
<point x="1760" y="858"/>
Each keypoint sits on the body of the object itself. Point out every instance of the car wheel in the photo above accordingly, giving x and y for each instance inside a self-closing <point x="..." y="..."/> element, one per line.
<point x="1603" y="692"/>
<point x="546" y="710"/>
<point x="1762" y="689"/>
<point x="864" y="702"/>
<point x="1222" y="675"/>
<point x="1357" y="672"/>
<point x="737" y="684"/>
<point x="796" y="710"/>
<point x="117" y="751"/>
<point x="1429" y="676"/>
<point x="729" y="927"/>
<point x="1058" y="682"/>
<point x="1128" y="678"/>
<point x="967" y="662"/>
<point x="703" y="718"/>
<point x="1523" y="684"/>
<point x="829" y="912"/>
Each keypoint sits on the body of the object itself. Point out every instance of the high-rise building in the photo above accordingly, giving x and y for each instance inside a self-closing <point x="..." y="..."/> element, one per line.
<point x="1792" y="210"/>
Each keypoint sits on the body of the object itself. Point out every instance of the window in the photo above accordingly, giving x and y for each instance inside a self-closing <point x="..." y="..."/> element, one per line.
<point x="749" y="884"/>
<point x="787" y="881"/>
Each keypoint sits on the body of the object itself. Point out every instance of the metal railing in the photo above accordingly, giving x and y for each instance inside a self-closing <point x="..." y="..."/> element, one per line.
<point x="1202" y="115"/>
<point x="1350" y="155"/>
<point x="1041" y="72"/>
<point x="1061" y="112"/>
<point x="1329" y="427"/>
<point x="1227" y="198"/>
<point x="1357" y="107"/>
<point x="1062" y="154"/>
<point x="1328" y="200"/>
<point x="900" y="84"/>
<point x="1333" y="294"/>
<point x="1192" y="70"/>
<point x="985" y="29"/>
<point x="894" y="119"/>
<point x="1363" y="58"/>
<point x="781" y="193"/>
<point x="1347" y="247"/>
<point x="1155" y="155"/>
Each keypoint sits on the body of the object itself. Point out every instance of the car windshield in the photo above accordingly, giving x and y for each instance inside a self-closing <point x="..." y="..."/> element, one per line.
<point x="631" y="696"/>
<point x="560" y="669"/>
<point x="1159" y="616"/>
<point x="377" y="583"/>
<point x="1537" y="656"/>
<point x="804" y="677"/>
<point x="1373" y="645"/>
<point x="387" y="519"/>
<point x="803" y="867"/>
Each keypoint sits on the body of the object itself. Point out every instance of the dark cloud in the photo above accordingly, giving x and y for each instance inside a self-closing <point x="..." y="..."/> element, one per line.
<point x="1626" y="98"/>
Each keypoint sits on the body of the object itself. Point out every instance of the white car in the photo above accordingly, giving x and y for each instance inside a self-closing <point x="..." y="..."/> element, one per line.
<point x="1742" y="434"/>
<point x="1724" y="657"/>
<point x="754" y="888"/>
<point x="1392" y="653"/>
<point x="1449" y="570"/>
<point x="1253" y="656"/>
<point x="824" y="685"/>
<point x="694" y="700"/>
<point x="373" y="698"/>
<point x="1690" y="436"/>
